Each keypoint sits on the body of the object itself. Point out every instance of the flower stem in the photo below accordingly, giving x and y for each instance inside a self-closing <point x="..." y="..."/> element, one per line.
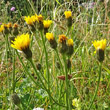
<point x="67" y="83"/>
<point x="68" y="31"/>
<point x="14" y="82"/>
<point x="95" y="94"/>
<point x="48" y="75"/>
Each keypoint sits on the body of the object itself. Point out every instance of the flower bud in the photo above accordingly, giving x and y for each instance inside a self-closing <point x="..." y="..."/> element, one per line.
<point x="15" y="29"/>
<point x="63" y="45"/>
<point x="70" y="47"/>
<point x="63" y="48"/>
<point x="100" y="55"/>
<point x="53" y="44"/>
<point x="15" y="99"/>
<point x="70" y="50"/>
<point x="35" y="77"/>
<point x="6" y="30"/>
<point x="38" y="66"/>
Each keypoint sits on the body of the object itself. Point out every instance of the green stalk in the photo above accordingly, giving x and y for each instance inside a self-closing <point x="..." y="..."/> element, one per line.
<point x="67" y="82"/>
<point x="68" y="31"/>
<point x="48" y="75"/>
<point x="95" y="94"/>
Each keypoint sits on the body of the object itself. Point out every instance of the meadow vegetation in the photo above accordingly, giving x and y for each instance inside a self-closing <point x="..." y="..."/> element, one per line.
<point x="54" y="54"/>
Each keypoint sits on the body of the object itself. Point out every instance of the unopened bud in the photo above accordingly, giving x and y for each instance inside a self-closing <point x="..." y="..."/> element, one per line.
<point x="15" y="99"/>
<point x="100" y="55"/>
<point x="70" y="50"/>
<point x="38" y="66"/>
<point x="63" y="48"/>
<point x="53" y="44"/>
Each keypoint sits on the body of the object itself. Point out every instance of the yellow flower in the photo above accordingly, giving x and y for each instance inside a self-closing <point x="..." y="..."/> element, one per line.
<point x="34" y="18"/>
<point x="47" y="23"/>
<point x="100" y="44"/>
<point x="2" y="28"/>
<point x="40" y="18"/>
<point x="9" y="25"/>
<point x="68" y="14"/>
<point x="70" y="42"/>
<point x="62" y="38"/>
<point x="21" y="42"/>
<point x="29" y="20"/>
<point x="49" y="36"/>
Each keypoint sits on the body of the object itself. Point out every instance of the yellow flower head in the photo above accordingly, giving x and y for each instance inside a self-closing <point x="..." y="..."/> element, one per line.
<point x="47" y="23"/>
<point x="40" y="18"/>
<point x="1" y="28"/>
<point x="62" y="38"/>
<point x="99" y="44"/>
<point x="21" y="42"/>
<point x="49" y="36"/>
<point x="34" y="18"/>
<point x="29" y="20"/>
<point x="15" y="25"/>
<point x="68" y="14"/>
<point x="70" y="42"/>
<point x="9" y="25"/>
